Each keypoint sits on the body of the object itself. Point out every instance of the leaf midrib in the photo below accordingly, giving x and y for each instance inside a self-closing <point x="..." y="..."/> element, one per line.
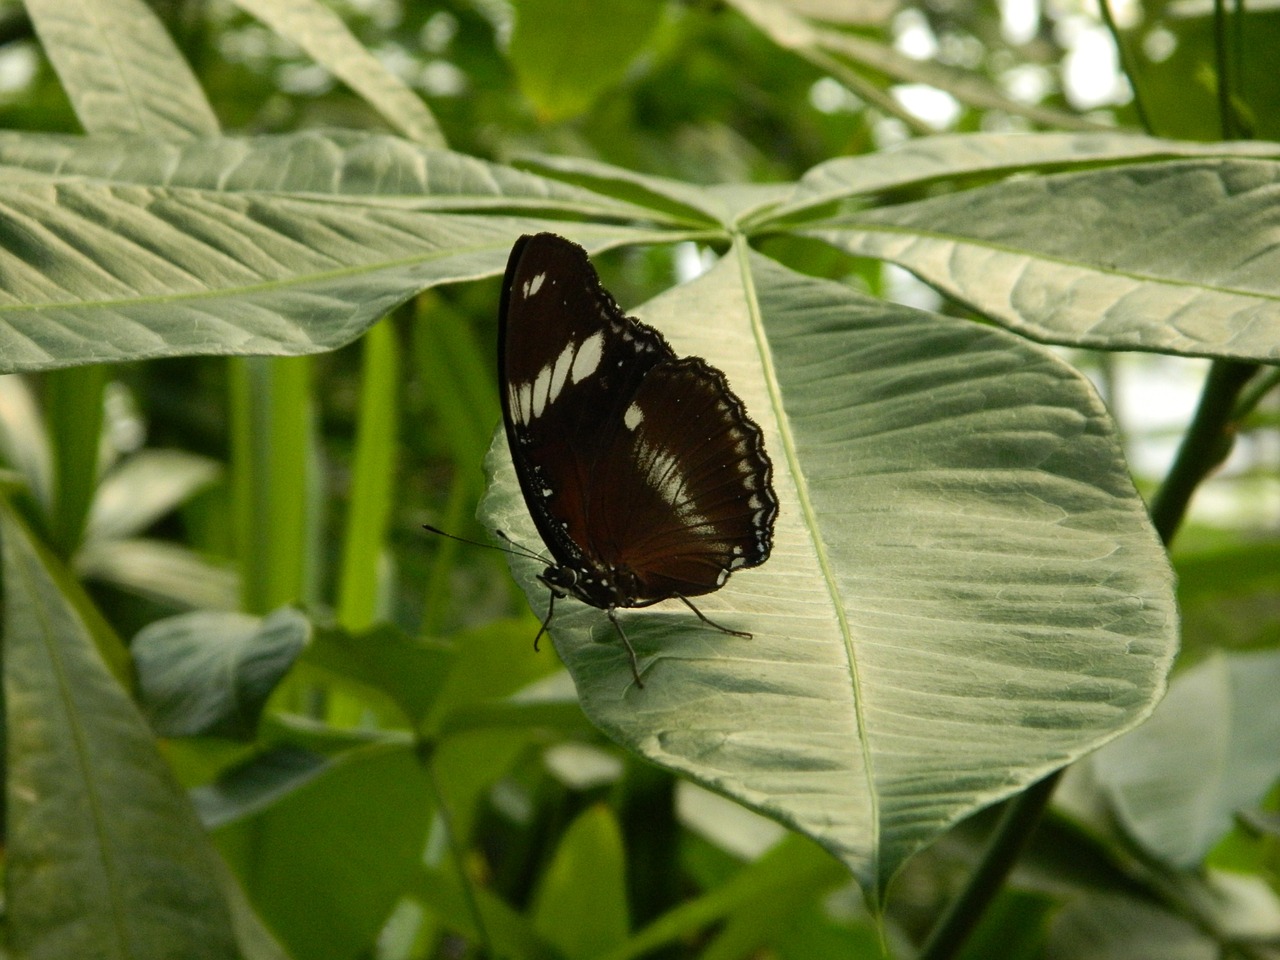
<point x="811" y="524"/>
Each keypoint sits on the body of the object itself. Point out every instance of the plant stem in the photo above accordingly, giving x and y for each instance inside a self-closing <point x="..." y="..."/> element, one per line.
<point x="1126" y="63"/>
<point x="1205" y="445"/>
<point x="1016" y="823"/>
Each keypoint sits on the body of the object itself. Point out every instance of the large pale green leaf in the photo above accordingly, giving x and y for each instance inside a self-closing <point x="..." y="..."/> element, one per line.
<point x="322" y="164"/>
<point x="120" y="68"/>
<point x="920" y="162"/>
<point x="1208" y="751"/>
<point x="964" y="594"/>
<point x="1178" y="257"/>
<point x="104" y="856"/>
<point x="135" y="249"/>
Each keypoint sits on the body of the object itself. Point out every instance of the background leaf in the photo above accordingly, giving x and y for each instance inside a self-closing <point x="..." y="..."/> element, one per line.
<point x="566" y="54"/>
<point x="581" y="905"/>
<point x="211" y="673"/>
<point x="323" y="35"/>
<point x="104" y="856"/>
<point x="1099" y="258"/>
<point x="121" y="68"/>
<point x="1207" y="752"/>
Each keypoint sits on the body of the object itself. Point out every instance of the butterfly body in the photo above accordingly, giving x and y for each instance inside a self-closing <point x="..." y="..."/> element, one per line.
<point x="645" y="477"/>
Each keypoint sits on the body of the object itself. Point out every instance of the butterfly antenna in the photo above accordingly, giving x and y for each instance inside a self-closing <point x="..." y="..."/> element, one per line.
<point x="631" y="651"/>
<point x="512" y="546"/>
<point x="711" y="623"/>
<point x="521" y="549"/>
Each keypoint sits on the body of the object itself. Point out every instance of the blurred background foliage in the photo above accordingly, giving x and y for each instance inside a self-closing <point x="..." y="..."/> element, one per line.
<point x="701" y="91"/>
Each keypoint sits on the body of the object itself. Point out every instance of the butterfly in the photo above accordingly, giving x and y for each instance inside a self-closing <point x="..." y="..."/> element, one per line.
<point x="644" y="475"/>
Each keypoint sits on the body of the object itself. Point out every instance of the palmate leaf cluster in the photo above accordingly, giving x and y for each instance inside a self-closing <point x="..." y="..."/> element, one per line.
<point x="261" y="730"/>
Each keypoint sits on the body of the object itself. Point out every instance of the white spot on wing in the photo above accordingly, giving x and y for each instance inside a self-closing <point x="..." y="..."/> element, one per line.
<point x="574" y="363"/>
<point x="631" y="419"/>
<point x="662" y="473"/>
<point x="520" y="398"/>
<point x="588" y="356"/>
<point x="531" y="287"/>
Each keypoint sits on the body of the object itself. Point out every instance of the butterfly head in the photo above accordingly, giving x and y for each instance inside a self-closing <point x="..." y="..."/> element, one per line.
<point x="601" y="587"/>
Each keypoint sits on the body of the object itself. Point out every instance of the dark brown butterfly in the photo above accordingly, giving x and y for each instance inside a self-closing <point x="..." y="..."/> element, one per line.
<point x="644" y="475"/>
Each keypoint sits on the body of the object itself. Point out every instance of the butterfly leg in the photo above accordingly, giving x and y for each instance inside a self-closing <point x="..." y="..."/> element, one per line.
<point x="711" y="623"/>
<point x="635" y="666"/>
<point x="551" y="609"/>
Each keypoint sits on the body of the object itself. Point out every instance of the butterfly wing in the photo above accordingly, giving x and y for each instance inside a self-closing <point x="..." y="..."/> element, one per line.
<point x="569" y="363"/>
<point x="683" y="495"/>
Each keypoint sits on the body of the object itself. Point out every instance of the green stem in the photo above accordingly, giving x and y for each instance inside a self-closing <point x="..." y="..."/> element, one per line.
<point x="1126" y="64"/>
<point x="1016" y="823"/>
<point x="1206" y="445"/>
<point x="73" y="405"/>
<point x="456" y="850"/>
<point x="1225" y="114"/>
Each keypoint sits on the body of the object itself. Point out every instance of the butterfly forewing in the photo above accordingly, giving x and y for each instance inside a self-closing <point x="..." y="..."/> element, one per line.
<point x="570" y="362"/>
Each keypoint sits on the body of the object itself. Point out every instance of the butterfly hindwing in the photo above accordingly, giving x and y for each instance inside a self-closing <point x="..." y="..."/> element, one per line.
<point x="684" y="492"/>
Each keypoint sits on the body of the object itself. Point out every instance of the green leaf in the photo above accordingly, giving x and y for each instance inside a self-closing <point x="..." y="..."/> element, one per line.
<point x="581" y="905"/>
<point x="920" y="162"/>
<point x="793" y="863"/>
<point x="1014" y="928"/>
<point x="1209" y="750"/>
<point x="273" y="477"/>
<point x="255" y="785"/>
<point x="508" y="931"/>
<point x="73" y="405"/>
<point x="408" y="671"/>
<point x="321" y="33"/>
<point x="143" y="488"/>
<point x="208" y="673"/>
<point x="568" y="53"/>
<point x="286" y="246"/>
<point x="965" y="592"/>
<point x="105" y="858"/>
<point x="169" y="573"/>
<point x="325" y="862"/>
<point x="120" y="68"/>
<point x="801" y="877"/>
<point x="1174" y="257"/>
